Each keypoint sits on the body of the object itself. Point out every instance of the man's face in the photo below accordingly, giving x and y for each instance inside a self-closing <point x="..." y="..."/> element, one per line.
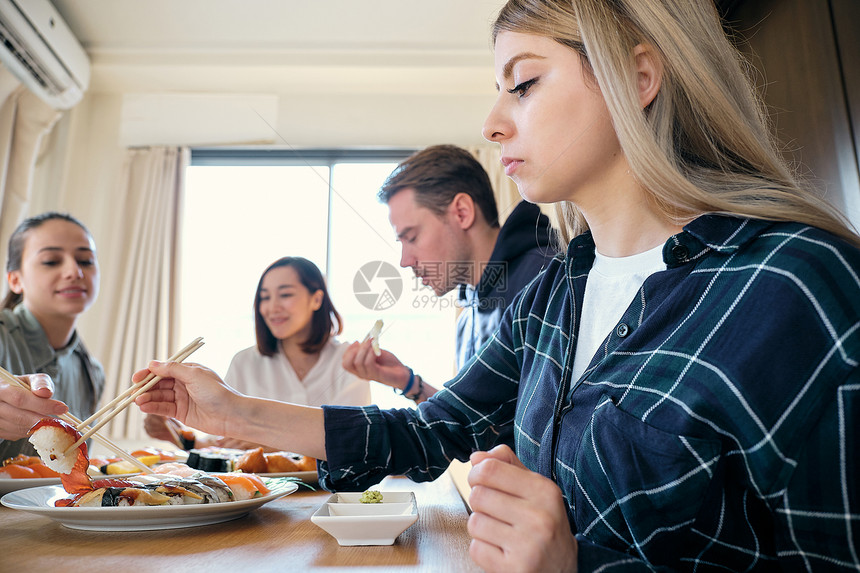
<point x="434" y="246"/>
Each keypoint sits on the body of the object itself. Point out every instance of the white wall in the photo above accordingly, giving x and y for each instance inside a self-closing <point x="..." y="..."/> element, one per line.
<point x="80" y="167"/>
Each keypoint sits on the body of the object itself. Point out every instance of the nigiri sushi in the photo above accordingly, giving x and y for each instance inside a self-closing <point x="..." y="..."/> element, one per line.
<point x="244" y="486"/>
<point x="52" y="439"/>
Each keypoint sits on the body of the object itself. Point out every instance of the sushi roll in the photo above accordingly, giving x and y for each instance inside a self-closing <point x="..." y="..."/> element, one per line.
<point x="212" y="459"/>
<point x="187" y="439"/>
<point x="214" y="462"/>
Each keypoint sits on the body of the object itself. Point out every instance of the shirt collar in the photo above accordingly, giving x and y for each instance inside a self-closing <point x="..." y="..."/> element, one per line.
<point x="466" y="292"/>
<point x="37" y="340"/>
<point x="721" y="233"/>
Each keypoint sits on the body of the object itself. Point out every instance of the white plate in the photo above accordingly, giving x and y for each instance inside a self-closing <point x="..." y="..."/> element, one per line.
<point x="12" y="484"/>
<point x="367" y="523"/>
<point x="40" y="501"/>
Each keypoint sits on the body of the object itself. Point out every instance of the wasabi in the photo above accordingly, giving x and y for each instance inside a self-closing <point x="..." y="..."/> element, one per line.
<point x="371" y="496"/>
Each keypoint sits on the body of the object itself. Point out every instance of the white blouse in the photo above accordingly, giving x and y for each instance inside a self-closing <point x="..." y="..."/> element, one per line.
<point x="273" y="377"/>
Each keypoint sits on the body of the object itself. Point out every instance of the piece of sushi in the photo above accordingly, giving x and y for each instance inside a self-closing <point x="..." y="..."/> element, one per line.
<point x="197" y="492"/>
<point x="244" y="486"/>
<point x="213" y="459"/>
<point x="252" y="462"/>
<point x="144" y="495"/>
<point x="52" y="439"/>
<point x="177" y="469"/>
<point x="221" y="491"/>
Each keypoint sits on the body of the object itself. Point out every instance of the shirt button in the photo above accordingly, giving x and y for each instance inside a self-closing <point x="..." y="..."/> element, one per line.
<point x="680" y="252"/>
<point x="622" y="330"/>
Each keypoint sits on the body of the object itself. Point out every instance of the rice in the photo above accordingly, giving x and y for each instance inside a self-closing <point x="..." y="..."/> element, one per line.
<point x="51" y="442"/>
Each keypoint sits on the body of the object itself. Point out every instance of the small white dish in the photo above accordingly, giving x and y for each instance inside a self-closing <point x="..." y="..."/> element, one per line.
<point x="353" y="523"/>
<point x="366" y="509"/>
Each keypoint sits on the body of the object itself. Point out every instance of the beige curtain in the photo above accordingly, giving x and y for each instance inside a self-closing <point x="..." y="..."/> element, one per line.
<point x="24" y="122"/>
<point x="507" y="195"/>
<point x="142" y="298"/>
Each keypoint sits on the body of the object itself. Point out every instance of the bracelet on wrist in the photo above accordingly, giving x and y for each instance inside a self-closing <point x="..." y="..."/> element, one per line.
<point x="418" y="391"/>
<point x="409" y="384"/>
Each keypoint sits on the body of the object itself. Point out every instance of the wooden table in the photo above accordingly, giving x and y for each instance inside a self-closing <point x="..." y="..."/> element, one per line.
<point x="276" y="537"/>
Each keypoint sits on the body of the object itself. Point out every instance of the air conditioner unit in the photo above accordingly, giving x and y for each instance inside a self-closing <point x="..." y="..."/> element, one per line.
<point x="39" y="48"/>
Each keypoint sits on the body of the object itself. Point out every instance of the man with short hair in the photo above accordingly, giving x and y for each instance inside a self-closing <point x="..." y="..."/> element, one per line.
<point x="443" y="210"/>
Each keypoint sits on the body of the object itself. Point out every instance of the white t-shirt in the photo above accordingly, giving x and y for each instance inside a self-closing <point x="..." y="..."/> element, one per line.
<point x="273" y="377"/>
<point x="609" y="290"/>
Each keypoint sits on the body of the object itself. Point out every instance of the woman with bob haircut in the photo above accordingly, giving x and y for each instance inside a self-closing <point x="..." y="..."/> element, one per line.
<point x="683" y="382"/>
<point x="297" y="357"/>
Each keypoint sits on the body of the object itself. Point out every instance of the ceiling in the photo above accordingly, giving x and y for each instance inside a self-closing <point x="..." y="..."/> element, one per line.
<point x="282" y="46"/>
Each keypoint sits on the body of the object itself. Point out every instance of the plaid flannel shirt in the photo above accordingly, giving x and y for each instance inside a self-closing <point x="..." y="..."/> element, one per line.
<point x="716" y="429"/>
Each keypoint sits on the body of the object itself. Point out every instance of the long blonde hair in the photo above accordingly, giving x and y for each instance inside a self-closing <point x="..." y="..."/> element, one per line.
<point x="703" y="145"/>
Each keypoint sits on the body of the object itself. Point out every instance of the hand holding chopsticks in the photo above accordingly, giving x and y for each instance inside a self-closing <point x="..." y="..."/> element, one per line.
<point x="14" y="381"/>
<point x="122" y="401"/>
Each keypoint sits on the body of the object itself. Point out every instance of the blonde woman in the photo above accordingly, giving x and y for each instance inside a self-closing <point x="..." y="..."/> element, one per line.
<point x="683" y="382"/>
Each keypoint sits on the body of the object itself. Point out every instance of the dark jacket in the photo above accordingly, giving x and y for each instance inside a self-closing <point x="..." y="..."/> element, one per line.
<point x="523" y="249"/>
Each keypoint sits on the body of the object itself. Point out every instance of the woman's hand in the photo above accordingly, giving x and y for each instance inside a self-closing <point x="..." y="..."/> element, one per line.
<point x="158" y="427"/>
<point x="386" y="368"/>
<point x="518" y="521"/>
<point x="191" y="393"/>
<point x="21" y="409"/>
<point x="198" y="398"/>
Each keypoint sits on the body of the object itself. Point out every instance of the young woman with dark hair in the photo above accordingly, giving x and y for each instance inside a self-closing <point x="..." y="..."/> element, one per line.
<point x="297" y="357"/>
<point x="53" y="277"/>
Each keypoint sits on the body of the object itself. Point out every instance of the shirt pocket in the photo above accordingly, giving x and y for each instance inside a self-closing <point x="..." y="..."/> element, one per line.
<point x="638" y="486"/>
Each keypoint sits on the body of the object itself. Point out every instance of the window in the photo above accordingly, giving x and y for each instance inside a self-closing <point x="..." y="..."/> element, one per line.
<point x="245" y="209"/>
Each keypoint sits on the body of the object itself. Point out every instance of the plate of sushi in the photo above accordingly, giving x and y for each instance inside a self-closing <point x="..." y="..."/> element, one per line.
<point x="23" y="471"/>
<point x="176" y="496"/>
<point x="172" y="515"/>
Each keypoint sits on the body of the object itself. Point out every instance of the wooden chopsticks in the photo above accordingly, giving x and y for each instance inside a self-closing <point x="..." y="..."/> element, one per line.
<point x="68" y="418"/>
<point x="122" y="401"/>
